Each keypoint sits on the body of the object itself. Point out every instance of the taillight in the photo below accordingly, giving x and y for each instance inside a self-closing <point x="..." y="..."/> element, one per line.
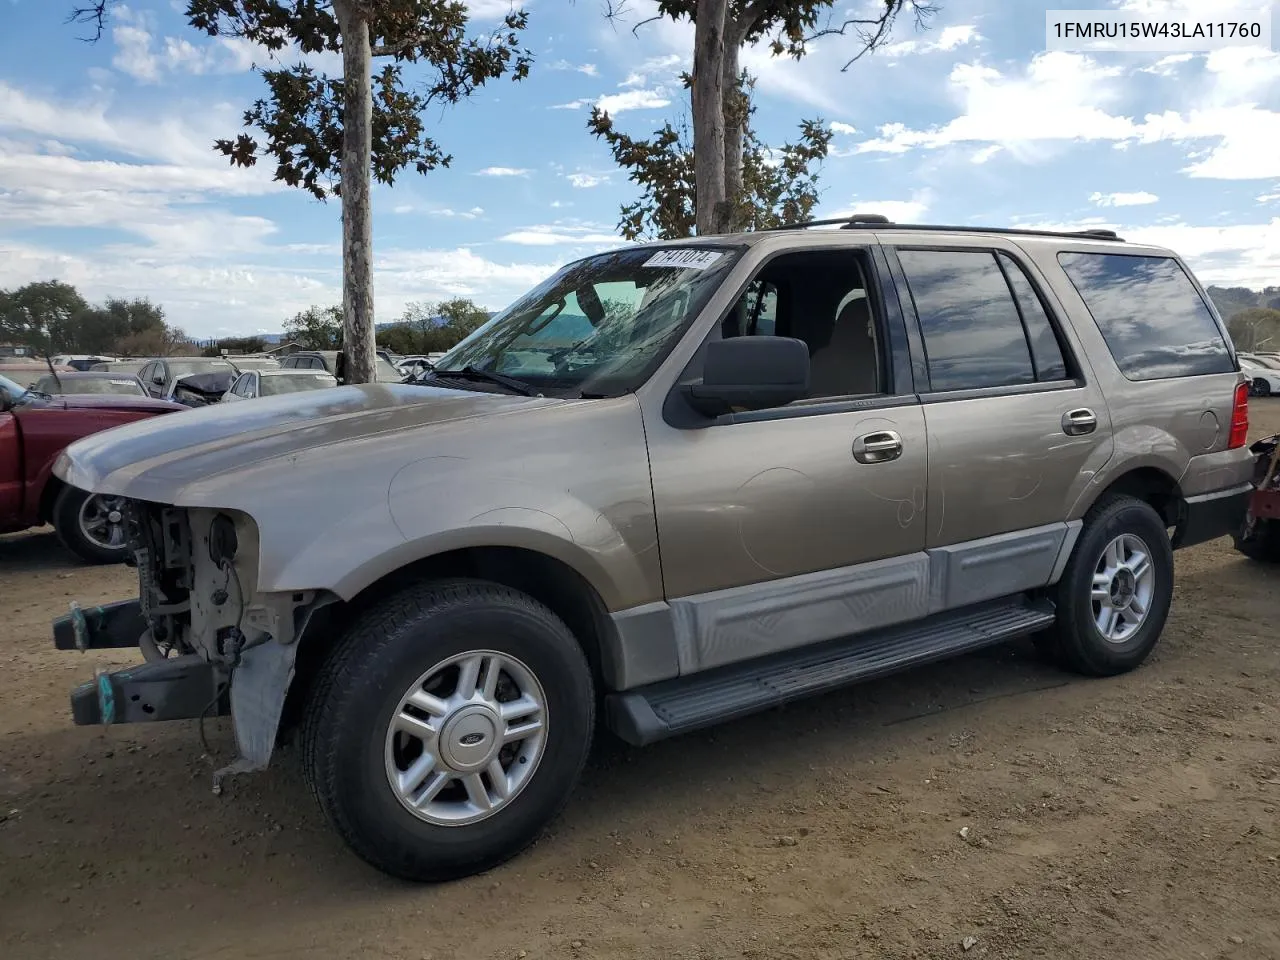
<point x="1239" y="418"/>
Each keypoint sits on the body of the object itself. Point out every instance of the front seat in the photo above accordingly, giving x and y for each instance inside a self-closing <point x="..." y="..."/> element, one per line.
<point x="846" y="365"/>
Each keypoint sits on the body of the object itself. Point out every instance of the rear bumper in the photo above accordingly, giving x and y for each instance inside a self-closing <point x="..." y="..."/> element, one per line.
<point x="1213" y="515"/>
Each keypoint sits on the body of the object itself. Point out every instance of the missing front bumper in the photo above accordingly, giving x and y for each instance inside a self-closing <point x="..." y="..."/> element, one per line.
<point x="180" y="688"/>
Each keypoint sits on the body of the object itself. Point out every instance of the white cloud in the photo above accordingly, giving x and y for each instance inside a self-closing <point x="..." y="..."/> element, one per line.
<point x="1168" y="66"/>
<point x="949" y="38"/>
<point x="585" y="68"/>
<point x="665" y="68"/>
<point x="244" y="296"/>
<point x="1066" y="97"/>
<point x="898" y="211"/>
<point x="587" y="180"/>
<point x="560" y="234"/>
<point x="844" y="129"/>
<point x="472" y="214"/>
<point x="503" y="172"/>
<point x="1136" y="199"/>
<point x="571" y="105"/>
<point x="616" y="103"/>
<point x="491" y="9"/>
<point x="986" y="153"/>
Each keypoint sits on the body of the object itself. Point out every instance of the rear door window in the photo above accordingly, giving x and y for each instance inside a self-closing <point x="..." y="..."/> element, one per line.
<point x="1151" y="315"/>
<point x="1046" y="351"/>
<point x="973" y="333"/>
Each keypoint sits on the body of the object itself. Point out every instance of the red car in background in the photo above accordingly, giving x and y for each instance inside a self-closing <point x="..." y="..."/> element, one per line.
<point x="34" y="427"/>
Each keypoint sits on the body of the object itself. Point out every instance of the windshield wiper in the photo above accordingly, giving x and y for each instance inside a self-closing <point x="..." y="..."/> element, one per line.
<point x="470" y="372"/>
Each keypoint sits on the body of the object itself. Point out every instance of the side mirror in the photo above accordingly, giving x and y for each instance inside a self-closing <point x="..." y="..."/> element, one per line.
<point x="750" y="373"/>
<point x="158" y="380"/>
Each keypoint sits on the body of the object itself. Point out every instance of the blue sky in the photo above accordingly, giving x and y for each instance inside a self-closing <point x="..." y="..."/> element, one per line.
<point x="108" y="179"/>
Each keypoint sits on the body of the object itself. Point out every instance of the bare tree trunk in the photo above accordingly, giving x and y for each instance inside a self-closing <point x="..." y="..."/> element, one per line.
<point x="711" y="214"/>
<point x="357" y="218"/>
<point x="735" y="117"/>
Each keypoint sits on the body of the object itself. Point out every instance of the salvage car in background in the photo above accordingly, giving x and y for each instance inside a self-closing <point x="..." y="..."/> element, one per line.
<point x="1259" y="537"/>
<point x="269" y="383"/>
<point x="26" y="370"/>
<point x="191" y="381"/>
<point x="33" y="430"/>
<point x="252" y="363"/>
<point x="131" y="367"/>
<point x="1264" y="379"/>
<point x="79" y="361"/>
<point x="93" y="381"/>
<point x="329" y="361"/>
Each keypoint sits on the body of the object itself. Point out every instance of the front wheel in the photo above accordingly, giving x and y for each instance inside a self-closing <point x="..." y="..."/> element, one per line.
<point x="1261" y="387"/>
<point x="92" y="525"/>
<point x="1113" y="598"/>
<point x="448" y="728"/>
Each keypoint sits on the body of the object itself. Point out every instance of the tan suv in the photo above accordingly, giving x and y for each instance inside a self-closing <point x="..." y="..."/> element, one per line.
<point x="675" y="483"/>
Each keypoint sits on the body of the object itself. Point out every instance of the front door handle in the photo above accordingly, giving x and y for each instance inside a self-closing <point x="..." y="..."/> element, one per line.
<point x="879" y="447"/>
<point x="1076" y="423"/>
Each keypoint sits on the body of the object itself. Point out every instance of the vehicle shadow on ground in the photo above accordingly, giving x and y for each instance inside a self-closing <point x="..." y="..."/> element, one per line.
<point x="36" y="550"/>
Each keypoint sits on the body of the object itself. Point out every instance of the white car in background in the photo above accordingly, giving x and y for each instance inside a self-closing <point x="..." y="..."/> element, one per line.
<point x="1263" y="374"/>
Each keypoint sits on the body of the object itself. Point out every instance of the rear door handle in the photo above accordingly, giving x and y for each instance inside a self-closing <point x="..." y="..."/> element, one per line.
<point x="879" y="447"/>
<point x="1076" y="423"/>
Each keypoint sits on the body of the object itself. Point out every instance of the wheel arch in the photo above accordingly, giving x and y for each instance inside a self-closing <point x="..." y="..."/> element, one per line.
<point x="53" y="486"/>
<point x="1150" y="484"/>
<point x="547" y="579"/>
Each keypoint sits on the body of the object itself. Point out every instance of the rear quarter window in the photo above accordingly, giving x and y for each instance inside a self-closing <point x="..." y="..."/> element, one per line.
<point x="1152" y="317"/>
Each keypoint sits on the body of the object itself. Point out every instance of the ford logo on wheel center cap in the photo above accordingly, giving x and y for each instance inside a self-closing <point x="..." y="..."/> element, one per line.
<point x="471" y="739"/>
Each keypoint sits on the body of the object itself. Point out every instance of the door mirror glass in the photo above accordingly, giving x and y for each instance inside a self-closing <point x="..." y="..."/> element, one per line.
<point x="750" y="373"/>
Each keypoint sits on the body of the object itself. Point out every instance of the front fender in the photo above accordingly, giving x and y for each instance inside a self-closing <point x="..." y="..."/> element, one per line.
<point x="575" y="488"/>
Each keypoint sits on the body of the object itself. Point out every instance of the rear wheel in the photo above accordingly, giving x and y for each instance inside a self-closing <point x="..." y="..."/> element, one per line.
<point x="448" y="728"/>
<point x="1113" y="598"/>
<point x="93" y="526"/>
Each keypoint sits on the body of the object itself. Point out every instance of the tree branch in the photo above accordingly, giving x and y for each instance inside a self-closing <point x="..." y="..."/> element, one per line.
<point x="873" y="31"/>
<point x="95" y="14"/>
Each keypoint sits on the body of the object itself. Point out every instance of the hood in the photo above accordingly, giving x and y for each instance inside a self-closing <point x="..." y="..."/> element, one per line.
<point x="100" y="402"/>
<point x="159" y="458"/>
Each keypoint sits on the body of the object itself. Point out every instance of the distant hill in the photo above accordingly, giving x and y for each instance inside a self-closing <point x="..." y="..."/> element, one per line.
<point x="1231" y="300"/>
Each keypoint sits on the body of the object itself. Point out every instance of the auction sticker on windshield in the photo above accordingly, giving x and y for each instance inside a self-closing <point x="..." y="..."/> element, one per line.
<point x="684" y="259"/>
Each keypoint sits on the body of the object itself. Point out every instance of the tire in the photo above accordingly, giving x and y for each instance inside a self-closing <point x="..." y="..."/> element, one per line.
<point x="75" y="511"/>
<point x="351" y="752"/>
<point x="1261" y="387"/>
<point x="1076" y="641"/>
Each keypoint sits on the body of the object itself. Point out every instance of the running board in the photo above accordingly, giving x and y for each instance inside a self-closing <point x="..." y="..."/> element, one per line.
<point x="672" y="707"/>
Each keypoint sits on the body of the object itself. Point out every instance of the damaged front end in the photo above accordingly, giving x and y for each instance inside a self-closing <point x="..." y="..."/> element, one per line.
<point x="212" y="644"/>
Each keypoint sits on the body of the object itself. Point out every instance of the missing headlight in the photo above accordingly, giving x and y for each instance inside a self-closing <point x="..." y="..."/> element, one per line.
<point x="223" y="542"/>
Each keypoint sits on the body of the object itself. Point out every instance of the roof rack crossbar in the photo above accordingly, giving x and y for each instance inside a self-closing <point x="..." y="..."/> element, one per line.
<point x="864" y="221"/>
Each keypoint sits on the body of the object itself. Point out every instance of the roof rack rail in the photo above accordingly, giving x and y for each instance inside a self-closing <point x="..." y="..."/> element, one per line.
<point x="861" y="221"/>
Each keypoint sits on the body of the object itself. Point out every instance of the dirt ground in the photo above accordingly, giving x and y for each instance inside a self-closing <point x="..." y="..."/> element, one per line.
<point x="991" y="802"/>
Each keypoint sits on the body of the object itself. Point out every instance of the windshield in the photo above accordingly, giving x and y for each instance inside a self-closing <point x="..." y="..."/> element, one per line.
<point x="66" y="385"/>
<point x="1271" y="363"/>
<point x="292" y="383"/>
<point x="11" y="391"/>
<point x="600" y="324"/>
